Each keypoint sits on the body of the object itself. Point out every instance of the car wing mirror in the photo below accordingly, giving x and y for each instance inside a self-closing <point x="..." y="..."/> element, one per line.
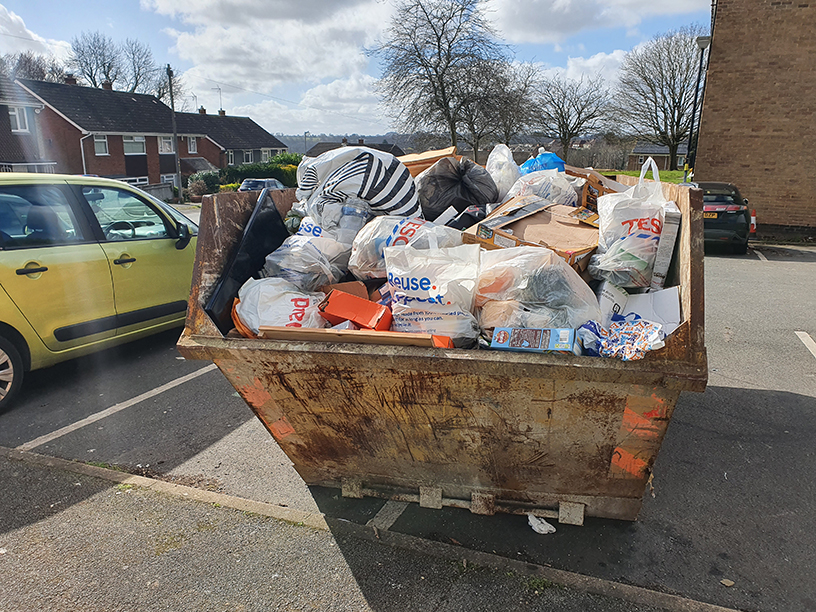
<point x="184" y="236"/>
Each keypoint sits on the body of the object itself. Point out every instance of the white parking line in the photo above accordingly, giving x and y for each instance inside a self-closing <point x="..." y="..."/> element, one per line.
<point x="760" y="255"/>
<point x="388" y="515"/>
<point x="113" y="409"/>
<point x="809" y="343"/>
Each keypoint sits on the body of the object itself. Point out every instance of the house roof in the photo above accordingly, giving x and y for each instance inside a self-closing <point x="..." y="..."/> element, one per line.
<point x="191" y="165"/>
<point x="322" y="147"/>
<point x="228" y="131"/>
<point x="11" y="94"/>
<point x="648" y="148"/>
<point x="104" y="110"/>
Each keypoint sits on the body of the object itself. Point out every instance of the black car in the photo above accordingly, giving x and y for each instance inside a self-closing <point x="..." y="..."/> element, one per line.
<point x="726" y="218"/>
<point x="252" y="184"/>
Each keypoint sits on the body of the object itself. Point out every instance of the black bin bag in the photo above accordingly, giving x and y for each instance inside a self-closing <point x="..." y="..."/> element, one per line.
<point x="460" y="184"/>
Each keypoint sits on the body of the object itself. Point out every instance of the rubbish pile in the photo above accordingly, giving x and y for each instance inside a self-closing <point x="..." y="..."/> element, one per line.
<point x="543" y="257"/>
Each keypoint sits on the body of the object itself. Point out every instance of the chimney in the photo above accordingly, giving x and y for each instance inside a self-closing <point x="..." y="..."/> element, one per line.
<point x="70" y="79"/>
<point x="360" y="141"/>
<point x="222" y="113"/>
<point x="107" y="85"/>
<point x="344" y="142"/>
<point x="202" y="111"/>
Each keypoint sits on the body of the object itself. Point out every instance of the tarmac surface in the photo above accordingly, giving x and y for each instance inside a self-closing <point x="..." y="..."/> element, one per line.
<point x="79" y="537"/>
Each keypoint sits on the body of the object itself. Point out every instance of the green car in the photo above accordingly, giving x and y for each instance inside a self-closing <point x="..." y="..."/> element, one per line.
<point x="85" y="264"/>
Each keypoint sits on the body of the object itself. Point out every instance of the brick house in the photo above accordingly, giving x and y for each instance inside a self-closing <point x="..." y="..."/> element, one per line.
<point x="660" y="153"/>
<point x="757" y="128"/>
<point x="21" y="142"/>
<point x="129" y="136"/>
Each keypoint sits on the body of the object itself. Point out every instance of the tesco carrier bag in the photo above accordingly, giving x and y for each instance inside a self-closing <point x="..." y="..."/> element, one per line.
<point x="630" y="223"/>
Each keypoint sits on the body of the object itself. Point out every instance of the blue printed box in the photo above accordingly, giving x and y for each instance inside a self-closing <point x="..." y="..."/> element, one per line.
<point x="536" y="340"/>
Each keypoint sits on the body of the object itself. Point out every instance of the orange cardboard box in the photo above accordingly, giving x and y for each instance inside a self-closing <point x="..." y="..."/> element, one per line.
<point x="340" y="306"/>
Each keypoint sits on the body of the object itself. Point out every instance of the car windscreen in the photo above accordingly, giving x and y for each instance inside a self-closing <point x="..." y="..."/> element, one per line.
<point x="252" y="185"/>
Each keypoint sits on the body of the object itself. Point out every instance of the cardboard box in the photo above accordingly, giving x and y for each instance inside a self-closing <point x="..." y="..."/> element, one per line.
<point x="339" y="306"/>
<point x="357" y="288"/>
<point x="363" y="336"/>
<point x="665" y="248"/>
<point x="532" y="221"/>
<point x="536" y="340"/>
<point x="596" y="185"/>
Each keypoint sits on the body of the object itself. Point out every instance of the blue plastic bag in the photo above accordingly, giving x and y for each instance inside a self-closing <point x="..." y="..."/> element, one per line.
<point x="544" y="161"/>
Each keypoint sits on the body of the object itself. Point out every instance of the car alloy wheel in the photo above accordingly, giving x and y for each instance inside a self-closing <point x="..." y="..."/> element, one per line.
<point x="11" y="371"/>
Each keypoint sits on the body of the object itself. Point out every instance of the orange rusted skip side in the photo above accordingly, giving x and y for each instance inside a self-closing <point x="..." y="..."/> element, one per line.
<point x="507" y="431"/>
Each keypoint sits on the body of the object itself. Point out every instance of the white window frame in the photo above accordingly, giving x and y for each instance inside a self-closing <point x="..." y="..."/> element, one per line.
<point x="166" y="145"/>
<point x="265" y="155"/>
<point x="230" y="158"/>
<point x="192" y="144"/>
<point x="169" y="178"/>
<point x="19" y="117"/>
<point x="641" y="159"/>
<point x="134" y="140"/>
<point x="681" y="160"/>
<point x="135" y="180"/>
<point x="249" y="152"/>
<point x="103" y="139"/>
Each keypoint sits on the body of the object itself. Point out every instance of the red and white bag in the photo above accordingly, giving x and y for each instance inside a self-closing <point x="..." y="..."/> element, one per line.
<point x="276" y="302"/>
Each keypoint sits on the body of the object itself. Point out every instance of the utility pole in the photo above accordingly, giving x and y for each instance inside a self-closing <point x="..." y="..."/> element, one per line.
<point x="175" y="132"/>
<point x="305" y="148"/>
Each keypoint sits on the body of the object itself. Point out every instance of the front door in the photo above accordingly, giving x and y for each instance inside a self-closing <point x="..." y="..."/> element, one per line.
<point x="51" y="267"/>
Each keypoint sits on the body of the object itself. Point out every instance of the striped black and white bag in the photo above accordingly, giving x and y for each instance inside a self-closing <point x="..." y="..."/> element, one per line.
<point x="374" y="176"/>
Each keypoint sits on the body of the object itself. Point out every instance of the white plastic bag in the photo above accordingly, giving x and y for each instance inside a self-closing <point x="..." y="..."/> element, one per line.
<point x="278" y="303"/>
<point x="308" y="262"/>
<point x="366" y="259"/>
<point x="380" y="179"/>
<point x="549" y="185"/>
<point x="340" y="222"/>
<point x="433" y="291"/>
<point x="544" y="286"/>
<point x="503" y="168"/>
<point x="630" y="224"/>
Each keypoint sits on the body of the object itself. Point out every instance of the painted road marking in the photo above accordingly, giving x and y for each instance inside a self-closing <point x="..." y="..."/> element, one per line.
<point x="809" y="343"/>
<point x="113" y="409"/>
<point x="760" y="255"/>
<point x="388" y="515"/>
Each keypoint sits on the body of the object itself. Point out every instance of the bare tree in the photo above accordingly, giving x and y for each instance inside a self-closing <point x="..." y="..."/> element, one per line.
<point x="656" y="88"/>
<point x="161" y="89"/>
<point x="478" y="89"/>
<point x="30" y="65"/>
<point x="95" y="58"/>
<point x="427" y="42"/>
<point x="569" y="108"/>
<point x="139" y="70"/>
<point x="517" y="99"/>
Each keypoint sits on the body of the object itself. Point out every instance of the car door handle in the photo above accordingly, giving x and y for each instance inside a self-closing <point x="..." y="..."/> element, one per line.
<point x="124" y="260"/>
<point x="24" y="271"/>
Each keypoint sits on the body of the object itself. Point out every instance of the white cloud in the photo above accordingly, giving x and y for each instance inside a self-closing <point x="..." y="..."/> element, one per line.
<point x="17" y="37"/>
<point x="342" y="106"/>
<point x="247" y="12"/>
<point x="553" y="21"/>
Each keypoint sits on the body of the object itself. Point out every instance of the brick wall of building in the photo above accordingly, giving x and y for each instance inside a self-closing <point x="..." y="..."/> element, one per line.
<point x="60" y="142"/>
<point x="757" y="127"/>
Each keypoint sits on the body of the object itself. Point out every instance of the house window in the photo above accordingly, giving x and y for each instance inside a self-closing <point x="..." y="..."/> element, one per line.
<point x="680" y="161"/>
<point x="192" y="144"/>
<point x="640" y="159"/>
<point x="265" y="155"/>
<point x="19" y="120"/>
<point x="100" y="144"/>
<point x="134" y="145"/>
<point x="136" y="180"/>
<point x="247" y="157"/>
<point x="165" y="144"/>
<point x="230" y="158"/>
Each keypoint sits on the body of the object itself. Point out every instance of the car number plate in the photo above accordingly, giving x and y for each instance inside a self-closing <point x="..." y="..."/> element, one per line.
<point x="709" y="215"/>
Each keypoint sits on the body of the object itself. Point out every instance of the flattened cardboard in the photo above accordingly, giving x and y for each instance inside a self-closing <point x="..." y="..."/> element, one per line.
<point x="339" y="306"/>
<point x="363" y="336"/>
<point x="532" y="221"/>
<point x="357" y="288"/>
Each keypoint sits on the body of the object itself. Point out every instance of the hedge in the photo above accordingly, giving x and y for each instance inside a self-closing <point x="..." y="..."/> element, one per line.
<point x="282" y="167"/>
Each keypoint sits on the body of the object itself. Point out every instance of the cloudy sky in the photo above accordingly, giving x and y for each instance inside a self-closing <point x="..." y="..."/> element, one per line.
<point x="297" y="66"/>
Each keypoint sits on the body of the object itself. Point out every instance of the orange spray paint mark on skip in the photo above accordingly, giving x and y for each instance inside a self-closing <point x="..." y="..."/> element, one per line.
<point x="639" y="426"/>
<point x="627" y="462"/>
<point x="281" y="428"/>
<point x="255" y="394"/>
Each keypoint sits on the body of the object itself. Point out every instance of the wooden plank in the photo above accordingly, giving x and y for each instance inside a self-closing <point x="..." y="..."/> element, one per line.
<point x="361" y="336"/>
